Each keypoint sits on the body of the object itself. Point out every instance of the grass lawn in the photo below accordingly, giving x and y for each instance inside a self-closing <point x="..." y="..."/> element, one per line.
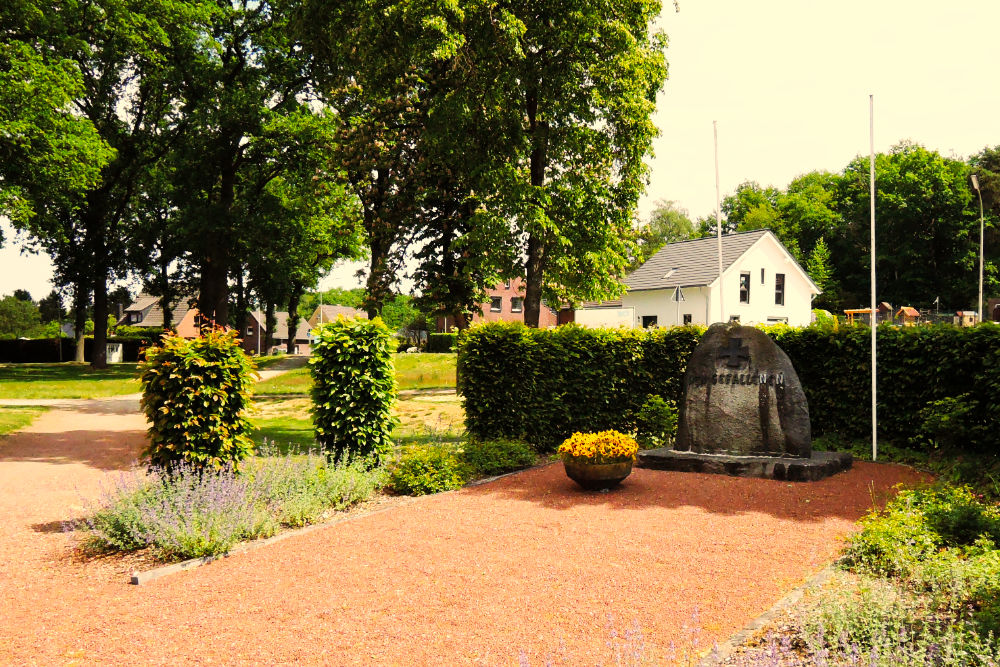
<point x="67" y="380"/>
<point x="413" y="371"/>
<point x="14" y="418"/>
<point x="422" y="420"/>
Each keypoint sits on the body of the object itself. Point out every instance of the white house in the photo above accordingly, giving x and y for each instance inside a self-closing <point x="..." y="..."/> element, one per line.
<point x="761" y="284"/>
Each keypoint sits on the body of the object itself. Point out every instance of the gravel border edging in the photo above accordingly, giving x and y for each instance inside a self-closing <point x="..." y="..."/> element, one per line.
<point x="722" y="652"/>
<point x="146" y="576"/>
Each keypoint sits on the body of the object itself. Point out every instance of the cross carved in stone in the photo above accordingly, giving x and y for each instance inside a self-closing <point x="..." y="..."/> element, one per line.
<point x="737" y="353"/>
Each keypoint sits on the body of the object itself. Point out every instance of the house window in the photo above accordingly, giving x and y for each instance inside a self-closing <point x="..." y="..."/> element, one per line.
<point x="687" y="318"/>
<point x="762" y="276"/>
<point x="516" y="304"/>
<point x="648" y="321"/>
<point x="734" y="318"/>
<point x="249" y="331"/>
<point x="506" y="285"/>
<point x="496" y="304"/>
<point x="777" y="320"/>
<point x="745" y="287"/>
<point x="779" y="289"/>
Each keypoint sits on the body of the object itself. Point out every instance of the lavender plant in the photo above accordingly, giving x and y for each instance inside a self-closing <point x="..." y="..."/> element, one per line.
<point x="192" y="512"/>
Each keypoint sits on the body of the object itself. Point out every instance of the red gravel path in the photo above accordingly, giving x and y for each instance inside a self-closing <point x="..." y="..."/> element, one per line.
<point x="472" y="577"/>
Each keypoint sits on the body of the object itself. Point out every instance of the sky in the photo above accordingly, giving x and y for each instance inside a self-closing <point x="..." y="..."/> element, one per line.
<point x="788" y="84"/>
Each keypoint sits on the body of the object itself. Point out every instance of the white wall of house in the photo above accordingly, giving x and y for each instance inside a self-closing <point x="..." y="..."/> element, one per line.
<point x="766" y="256"/>
<point x="702" y="303"/>
<point x="660" y="304"/>
<point x="604" y="317"/>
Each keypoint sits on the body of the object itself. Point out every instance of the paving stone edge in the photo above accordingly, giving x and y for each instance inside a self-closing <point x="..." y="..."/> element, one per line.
<point x="722" y="652"/>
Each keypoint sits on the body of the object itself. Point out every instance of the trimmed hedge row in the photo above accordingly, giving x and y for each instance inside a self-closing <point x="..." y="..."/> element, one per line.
<point x="936" y="383"/>
<point x="543" y="385"/>
<point x="918" y="368"/>
<point x="47" y="350"/>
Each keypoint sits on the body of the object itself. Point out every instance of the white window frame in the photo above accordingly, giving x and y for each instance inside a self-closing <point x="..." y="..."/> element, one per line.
<point x="496" y="304"/>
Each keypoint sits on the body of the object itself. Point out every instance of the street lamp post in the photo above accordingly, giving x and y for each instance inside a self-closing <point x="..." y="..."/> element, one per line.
<point x="975" y="186"/>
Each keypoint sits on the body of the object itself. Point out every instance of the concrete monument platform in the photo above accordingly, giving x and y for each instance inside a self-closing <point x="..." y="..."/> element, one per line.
<point x="791" y="469"/>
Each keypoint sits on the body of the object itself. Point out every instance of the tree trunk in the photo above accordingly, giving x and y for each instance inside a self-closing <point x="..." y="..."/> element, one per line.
<point x="535" y="265"/>
<point x="162" y="285"/>
<point x="376" y="287"/>
<point x="99" y="354"/>
<point x="242" y="306"/>
<point x="293" y="317"/>
<point x="269" y="326"/>
<point x="80" y="294"/>
<point x="213" y="301"/>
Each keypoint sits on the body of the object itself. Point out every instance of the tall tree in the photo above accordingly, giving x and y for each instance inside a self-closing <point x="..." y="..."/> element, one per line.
<point x="252" y="118"/>
<point x="927" y="234"/>
<point x="819" y="268"/>
<point x="667" y="223"/>
<point x="49" y="155"/>
<point x="123" y="51"/>
<point x="574" y="86"/>
<point x="553" y="99"/>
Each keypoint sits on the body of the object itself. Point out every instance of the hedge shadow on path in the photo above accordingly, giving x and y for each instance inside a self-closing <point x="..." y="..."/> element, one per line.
<point x="848" y="495"/>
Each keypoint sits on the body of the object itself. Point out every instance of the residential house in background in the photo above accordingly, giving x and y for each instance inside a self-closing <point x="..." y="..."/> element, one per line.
<point x="329" y="313"/>
<point x="506" y="304"/>
<point x="761" y="283"/>
<point x="253" y="337"/>
<point x="145" y="311"/>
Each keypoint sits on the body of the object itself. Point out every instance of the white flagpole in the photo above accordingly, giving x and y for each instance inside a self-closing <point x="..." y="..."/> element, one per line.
<point x="874" y="317"/>
<point x="718" y="224"/>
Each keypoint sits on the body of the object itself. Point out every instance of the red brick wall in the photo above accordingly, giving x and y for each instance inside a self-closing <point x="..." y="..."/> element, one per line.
<point x="506" y="292"/>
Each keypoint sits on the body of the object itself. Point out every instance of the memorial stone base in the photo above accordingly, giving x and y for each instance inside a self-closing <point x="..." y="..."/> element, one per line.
<point x="791" y="469"/>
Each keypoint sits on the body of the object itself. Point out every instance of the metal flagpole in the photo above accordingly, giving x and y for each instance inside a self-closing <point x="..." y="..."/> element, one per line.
<point x="874" y="317"/>
<point x="718" y="223"/>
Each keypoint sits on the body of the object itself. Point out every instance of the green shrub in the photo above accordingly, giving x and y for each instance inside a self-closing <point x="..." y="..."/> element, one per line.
<point x="442" y="342"/>
<point x="196" y="394"/>
<point x="942" y="540"/>
<point x="656" y="423"/>
<point x="497" y="457"/>
<point x="146" y="335"/>
<point x="430" y="469"/>
<point x="354" y="388"/>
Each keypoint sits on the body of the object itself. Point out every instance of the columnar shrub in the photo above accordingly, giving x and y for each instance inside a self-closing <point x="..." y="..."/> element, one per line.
<point x="196" y="394"/>
<point x="354" y="388"/>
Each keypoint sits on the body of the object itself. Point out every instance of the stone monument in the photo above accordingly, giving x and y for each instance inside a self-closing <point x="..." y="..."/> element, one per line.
<point x="744" y="413"/>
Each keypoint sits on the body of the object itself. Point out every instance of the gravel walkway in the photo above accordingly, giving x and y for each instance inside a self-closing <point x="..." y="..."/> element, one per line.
<point x="527" y="564"/>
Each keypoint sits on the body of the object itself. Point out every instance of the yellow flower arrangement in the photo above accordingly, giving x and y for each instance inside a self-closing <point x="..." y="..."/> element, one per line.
<point x="603" y="447"/>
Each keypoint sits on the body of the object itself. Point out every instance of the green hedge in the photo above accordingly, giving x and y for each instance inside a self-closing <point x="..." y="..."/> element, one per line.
<point x="917" y="367"/>
<point x="354" y="387"/>
<point x="542" y="385"/>
<point x="935" y="382"/>
<point x="442" y="342"/>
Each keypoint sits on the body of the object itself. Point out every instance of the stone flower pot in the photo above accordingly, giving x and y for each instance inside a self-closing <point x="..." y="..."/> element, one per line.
<point x="597" y="476"/>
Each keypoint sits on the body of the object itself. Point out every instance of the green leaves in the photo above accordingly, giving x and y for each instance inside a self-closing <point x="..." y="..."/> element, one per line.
<point x="354" y="388"/>
<point x="196" y="393"/>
